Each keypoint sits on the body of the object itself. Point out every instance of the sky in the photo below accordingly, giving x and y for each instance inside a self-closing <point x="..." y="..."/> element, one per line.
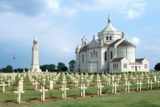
<point x="60" y="24"/>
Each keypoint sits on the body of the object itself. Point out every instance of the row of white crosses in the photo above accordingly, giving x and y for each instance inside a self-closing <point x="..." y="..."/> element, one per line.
<point x="114" y="79"/>
<point x="6" y="78"/>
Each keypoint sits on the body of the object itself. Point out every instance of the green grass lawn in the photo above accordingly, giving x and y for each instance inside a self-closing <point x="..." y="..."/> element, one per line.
<point x="139" y="99"/>
<point x="31" y="97"/>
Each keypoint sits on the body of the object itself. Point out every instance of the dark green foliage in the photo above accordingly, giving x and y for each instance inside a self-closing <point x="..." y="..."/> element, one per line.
<point x="72" y="65"/>
<point x="61" y="67"/>
<point x="50" y="67"/>
<point x="157" y="67"/>
<point x="8" y="69"/>
<point x="20" y="70"/>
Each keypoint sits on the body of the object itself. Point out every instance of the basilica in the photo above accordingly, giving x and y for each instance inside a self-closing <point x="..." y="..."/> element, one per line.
<point x="110" y="52"/>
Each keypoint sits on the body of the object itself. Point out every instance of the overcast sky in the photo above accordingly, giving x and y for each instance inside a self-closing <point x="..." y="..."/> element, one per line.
<point x="60" y="25"/>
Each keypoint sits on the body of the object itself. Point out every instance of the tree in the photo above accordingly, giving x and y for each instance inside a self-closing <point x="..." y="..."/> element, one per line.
<point x="72" y="65"/>
<point x="50" y="67"/>
<point x="8" y="68"/>
<point x="61" y="67"/>
<point x="157" y="67"/>
<point x="20" y="70"/>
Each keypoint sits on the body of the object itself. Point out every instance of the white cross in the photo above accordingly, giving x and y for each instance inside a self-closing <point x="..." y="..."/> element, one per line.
<point x="43" y="90"/>
<point x="114" y="87"/>
<point x="51" y="85"/>
<point x="127" y="83"/>
<point x="19" y="91"/>
<point x="98" y="80"/>
<point x="150" y="84"/>
<point x="36" y="85"/>
<point x="64" y="89"/>
<point x="76" y="82"/>
<point x="3" y="85"/>
<point x="99" y="89"/>
<point x="83" y="88"/>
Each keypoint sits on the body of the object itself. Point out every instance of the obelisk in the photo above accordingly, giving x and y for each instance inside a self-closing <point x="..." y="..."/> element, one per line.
<point x="35" y="56"/>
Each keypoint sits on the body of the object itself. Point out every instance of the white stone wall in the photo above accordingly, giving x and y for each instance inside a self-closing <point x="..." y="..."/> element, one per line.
<point x="128" y="52"/>
<point x="115" y="69"/>
<point x="115" y="35"/>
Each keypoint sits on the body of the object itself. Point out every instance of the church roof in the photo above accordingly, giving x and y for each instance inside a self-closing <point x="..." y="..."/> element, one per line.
<point x="113" y="43"/>
<point x="139" y="60"/>
<point x="83" y="49"/>
<point x="126" y="43"/>
<point x="109" y="27"/>
<point x="117" y="59"/>
<point x="123" y="43"/>
<point x="106" y="45"/>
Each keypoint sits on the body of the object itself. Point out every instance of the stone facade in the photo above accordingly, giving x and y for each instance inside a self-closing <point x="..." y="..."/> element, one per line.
<point x="111" y="52"/>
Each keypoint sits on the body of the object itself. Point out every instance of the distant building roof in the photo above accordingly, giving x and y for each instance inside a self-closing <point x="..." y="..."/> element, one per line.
<point x="113" y="43"/>
<point x="139" y="60"/>
<point x="116" y="59"/>
<point x="83" y="49"/>
<point x="126" y="43"/>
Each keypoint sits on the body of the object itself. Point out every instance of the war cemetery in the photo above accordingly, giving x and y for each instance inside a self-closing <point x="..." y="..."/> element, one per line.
<point x="76" y="57"/>
<point x="35" y="87"/>
<point x="92" y="85"/>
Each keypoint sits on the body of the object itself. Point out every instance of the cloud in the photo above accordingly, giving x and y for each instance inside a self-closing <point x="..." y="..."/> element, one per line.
<point x="53" y="4"/>
<point x="66" y="50"/>
<point x="135" y="10"/>
<point x="28" y="7"/>
<point x="153" y="48"/>
<point x="136" y="40"/>
<point x="130" y="8"/>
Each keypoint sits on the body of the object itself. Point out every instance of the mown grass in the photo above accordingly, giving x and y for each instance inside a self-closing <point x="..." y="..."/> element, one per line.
<point x="139" y="99"/>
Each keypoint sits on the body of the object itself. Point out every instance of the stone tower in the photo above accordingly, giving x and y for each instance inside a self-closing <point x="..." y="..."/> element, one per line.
<point x="35" y="56"/>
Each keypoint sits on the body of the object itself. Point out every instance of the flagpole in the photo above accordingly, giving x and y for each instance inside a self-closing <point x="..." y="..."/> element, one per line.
<point x="13" y="61"/>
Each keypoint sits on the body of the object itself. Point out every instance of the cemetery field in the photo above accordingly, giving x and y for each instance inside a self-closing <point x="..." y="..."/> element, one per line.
<point x="80" y="89"/>
<point x="139" y="99"/>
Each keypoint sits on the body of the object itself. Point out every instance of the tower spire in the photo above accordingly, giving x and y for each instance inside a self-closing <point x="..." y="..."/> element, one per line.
<point x="35" y="38"/>
<point x="109" y="19"/>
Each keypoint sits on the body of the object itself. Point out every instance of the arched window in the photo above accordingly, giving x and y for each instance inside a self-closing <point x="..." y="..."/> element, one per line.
<point x="110" y="37"/>
<point x="107" y="38"/>
<point x="111" y="54"/>
<point x="105" y="56"/>
<point x="96" y="54"/>
<point x="91" y="54"/>
<point x="82" y="58"/>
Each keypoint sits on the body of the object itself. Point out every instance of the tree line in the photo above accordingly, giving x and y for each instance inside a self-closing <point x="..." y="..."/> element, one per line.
<point x="50" y="67"/>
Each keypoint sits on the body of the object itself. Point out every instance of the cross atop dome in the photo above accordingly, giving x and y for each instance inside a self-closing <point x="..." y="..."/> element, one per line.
<point x="109" y="19"/>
